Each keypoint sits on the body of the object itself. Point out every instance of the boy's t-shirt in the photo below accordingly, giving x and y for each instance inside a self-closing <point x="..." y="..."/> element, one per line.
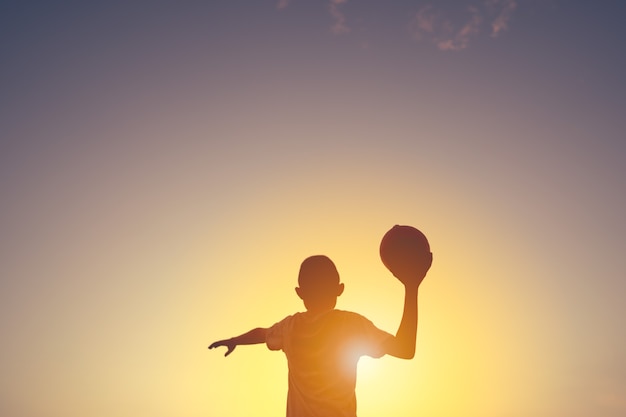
<point x="322" y="352"/>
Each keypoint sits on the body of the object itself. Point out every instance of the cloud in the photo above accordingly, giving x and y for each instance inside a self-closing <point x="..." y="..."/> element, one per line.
<point x="433" y="25"/>
<point x="450" y="31"/>
<point x="424" y="22"/>
<point x="339" y="25"/>
<point x="501" y="22"/>
<point x="462" y="38"/>
<point x="449" y="28"/>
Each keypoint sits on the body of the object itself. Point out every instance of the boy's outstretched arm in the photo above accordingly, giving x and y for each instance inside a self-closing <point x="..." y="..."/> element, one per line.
<point x="403" y="345"/>
<point x="252" y="337"/>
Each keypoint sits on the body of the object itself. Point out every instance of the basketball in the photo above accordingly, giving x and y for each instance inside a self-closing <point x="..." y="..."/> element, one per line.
<point x="405" y="252"/>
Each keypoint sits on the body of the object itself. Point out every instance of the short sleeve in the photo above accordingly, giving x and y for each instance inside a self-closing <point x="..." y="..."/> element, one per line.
<point x="274" y="338"/>
<point x="372" y="340"/>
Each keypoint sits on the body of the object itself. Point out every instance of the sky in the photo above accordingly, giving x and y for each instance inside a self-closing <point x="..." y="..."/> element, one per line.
<point x="165" y="167"/>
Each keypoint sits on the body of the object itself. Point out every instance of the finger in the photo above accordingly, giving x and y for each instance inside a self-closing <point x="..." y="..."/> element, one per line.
<point x="215" y="344"/>
<point x="229" y="351"/>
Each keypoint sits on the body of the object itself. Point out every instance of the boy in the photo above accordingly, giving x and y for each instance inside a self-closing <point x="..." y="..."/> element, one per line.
<point x="323" y="344"/>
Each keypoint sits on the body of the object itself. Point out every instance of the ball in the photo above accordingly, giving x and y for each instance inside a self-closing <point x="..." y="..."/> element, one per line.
<point x="405" y="252"/>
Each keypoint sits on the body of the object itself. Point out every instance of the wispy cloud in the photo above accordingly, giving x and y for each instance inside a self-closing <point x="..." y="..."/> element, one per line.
<point x="448" y="28"/>
<point x="462" y="37"/>
<point x="501" y="22"/>
<point x="340" y="26"/>
<point x="434" y="26"/>
<point x="439" y="28"/>
<point x="424" y="22"/>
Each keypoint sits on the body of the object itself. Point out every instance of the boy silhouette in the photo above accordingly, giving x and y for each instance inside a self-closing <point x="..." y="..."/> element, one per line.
<point x="323" y="344"/>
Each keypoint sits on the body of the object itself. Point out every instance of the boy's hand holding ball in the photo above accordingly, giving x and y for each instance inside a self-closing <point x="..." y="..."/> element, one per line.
<point x="405" y="252"/>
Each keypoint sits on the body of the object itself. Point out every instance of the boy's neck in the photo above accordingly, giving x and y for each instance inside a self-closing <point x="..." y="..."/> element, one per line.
<point x="318" y="311"/>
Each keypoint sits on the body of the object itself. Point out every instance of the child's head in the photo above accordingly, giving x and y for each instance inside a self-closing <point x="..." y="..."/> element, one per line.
<point x="319" y="284"/>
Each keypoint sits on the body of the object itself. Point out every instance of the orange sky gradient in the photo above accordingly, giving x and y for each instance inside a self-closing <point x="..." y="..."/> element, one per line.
<point x="166" y="168"/>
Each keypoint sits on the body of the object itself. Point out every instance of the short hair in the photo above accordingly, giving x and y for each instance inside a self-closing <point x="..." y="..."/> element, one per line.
<point x="318" y="271"/>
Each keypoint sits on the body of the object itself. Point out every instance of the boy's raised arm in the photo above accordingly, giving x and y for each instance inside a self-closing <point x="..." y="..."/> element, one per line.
<point x="252" y="337"/>
<point x="403" y="345"/>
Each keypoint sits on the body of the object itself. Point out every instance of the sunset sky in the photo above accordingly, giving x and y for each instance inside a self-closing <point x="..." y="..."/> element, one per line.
<point x="166" y="166"/>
